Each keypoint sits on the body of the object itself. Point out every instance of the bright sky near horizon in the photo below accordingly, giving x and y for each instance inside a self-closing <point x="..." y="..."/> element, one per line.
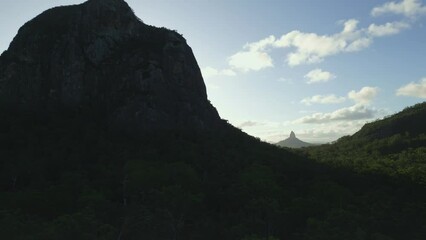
<point x="319" y="68"/>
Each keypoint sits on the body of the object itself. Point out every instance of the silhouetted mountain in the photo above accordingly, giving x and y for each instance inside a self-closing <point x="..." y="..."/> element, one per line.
<point x="171" y="169"/>
<point x="99" y="58"/>
<point x="293" y="142"/>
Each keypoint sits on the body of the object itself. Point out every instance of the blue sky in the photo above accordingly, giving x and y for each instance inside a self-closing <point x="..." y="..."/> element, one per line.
<point x="319" y="68"/>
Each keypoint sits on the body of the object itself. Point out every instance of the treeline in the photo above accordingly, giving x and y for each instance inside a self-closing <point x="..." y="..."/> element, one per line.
<point x="401" y="156"/>
<point x="394" y="146"/>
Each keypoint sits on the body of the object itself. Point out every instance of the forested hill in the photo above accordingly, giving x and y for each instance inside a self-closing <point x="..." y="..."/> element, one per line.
<point x="394" y="146"/>
<point x="410" y="121"/>
<point x="68" y="177"/>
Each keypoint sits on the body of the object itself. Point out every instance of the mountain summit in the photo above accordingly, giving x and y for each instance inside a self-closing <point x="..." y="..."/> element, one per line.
<point x="293" y="142"/>
<point x="98" y="58"/>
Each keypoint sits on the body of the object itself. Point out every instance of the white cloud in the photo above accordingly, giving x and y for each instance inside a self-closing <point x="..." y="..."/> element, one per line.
<point x="314" y="133"/>
<point x="313" y="48"/>
<point x="249" y="124"/>
<point x="323" y="99"/>
<point x="260" y="45"/>
<point x="359" y="44"/>
<point x="209" y="72"/>
<point x="327" y="132"/>
<point x="250" y="60"/>
<point x="408" y="8"/>
<point x="309" y="48"/>
<point x="363" y="96"/>
<point x="350" y="26"/>
<point x="390" y="28"/>
<point x="413" y="89"/>
<point x="253" y="57"/>
<point x="318" y="75"/>
<point x="355" y="112"/>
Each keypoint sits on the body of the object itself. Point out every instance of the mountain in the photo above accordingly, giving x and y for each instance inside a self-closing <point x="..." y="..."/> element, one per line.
<point x="106" y="133"/>
<point x="293" y="142"/>
<point x="98" y="58"/>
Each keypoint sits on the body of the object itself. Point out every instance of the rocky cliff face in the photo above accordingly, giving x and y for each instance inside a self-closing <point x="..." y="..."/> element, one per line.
<point x="98" y="57"/>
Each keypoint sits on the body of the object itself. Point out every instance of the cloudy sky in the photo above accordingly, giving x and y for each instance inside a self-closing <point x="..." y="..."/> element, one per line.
<point x="319" y="68"/>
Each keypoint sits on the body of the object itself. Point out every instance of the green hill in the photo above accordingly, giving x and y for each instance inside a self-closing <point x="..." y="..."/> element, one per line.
<point x="409" y="121"/>
<point x="394" y="146"/>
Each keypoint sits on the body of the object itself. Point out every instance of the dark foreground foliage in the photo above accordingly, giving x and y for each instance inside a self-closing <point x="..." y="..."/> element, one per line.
<point x="68" y="177"/>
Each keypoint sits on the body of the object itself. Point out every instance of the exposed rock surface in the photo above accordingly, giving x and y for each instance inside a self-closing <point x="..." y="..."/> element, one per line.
<point x="98" y="57"/>
<point x="293" y="142"/>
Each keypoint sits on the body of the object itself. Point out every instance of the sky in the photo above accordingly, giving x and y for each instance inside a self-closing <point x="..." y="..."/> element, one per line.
<point x="319" y="68"/>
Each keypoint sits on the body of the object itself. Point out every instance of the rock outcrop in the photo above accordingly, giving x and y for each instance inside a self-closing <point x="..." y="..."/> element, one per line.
<point x="293" y="142"/>
<point x="99" y="58"/>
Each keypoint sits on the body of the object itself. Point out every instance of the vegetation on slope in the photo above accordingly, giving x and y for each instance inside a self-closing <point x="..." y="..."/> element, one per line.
<point x="68" y="177"/>
<point x="394" y="146"/>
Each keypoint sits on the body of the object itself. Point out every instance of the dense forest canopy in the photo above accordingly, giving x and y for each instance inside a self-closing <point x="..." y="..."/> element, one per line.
<point x="69" y="178"/>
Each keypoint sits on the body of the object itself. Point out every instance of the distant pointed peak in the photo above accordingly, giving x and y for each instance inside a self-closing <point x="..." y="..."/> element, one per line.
<point x="292" y="135"/>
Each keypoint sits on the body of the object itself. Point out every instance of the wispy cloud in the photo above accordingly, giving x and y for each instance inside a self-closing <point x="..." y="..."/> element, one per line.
<point x="209" y="72"/>
<point x="355" y="112"/>
<point x="323" y="99"/>
<point x="250" y="61"/>
<point x="413" y="89"/>
<point x="253" y="57"/>
<point x="359" y="111"/>
<point x="309" y="47"/>
<point x="390" y="28"/>
<point x="363" y="96"/>
<point x="313" y="48"/>
<point x="318" y="132"/>
<point x="330" y="131"/>
<point x="249" y="124"/>
<point x="318" y="75"/>
<point x="407" y="8"/>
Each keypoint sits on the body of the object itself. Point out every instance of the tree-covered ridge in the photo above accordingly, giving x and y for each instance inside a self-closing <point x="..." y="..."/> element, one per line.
<point x="411" y="120"/>
<point x="394" y="146"/>
<point x="69" y="177"/>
